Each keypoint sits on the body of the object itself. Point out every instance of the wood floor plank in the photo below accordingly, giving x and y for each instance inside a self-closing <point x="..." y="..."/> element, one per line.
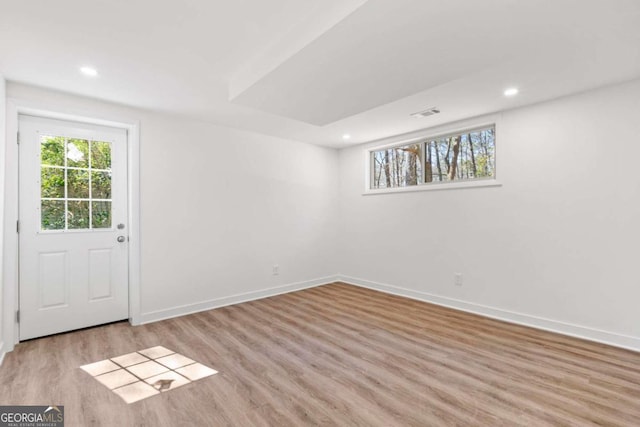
<point x="544" y="372"/>
<point x="338" y="355"/>
<point x="451" y="373"/>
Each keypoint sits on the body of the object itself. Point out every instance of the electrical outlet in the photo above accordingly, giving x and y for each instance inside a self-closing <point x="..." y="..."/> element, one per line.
<point x="457" y="279"/>
<point x="275" y="270"/>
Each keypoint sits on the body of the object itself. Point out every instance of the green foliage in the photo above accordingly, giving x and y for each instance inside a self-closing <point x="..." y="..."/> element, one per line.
<point x="78" y="153"/>
<point x="77" y="214"/>
<point x="101" y="214"/>
<point x="52" y="150"/>
<point x="52" y="182"/>
<point x="52" y="214"/>
<point x="100" y="185"/>
<point x="78" y="183"/>
<point x="82" y="159"/>
<point x="100" y="155"/>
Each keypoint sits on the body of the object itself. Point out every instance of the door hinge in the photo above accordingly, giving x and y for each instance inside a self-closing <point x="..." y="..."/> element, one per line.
<point x="18" y="316"/>
<point x="18" y="139"/>
<point x="18" y="226"/>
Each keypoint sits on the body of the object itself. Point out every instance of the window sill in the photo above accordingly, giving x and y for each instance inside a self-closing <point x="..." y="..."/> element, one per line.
<point x="435" y="187"/>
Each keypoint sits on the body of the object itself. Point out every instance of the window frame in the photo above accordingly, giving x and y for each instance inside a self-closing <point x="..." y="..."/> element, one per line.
<point x="423" y="136"/>
<point x="89" y="137"/>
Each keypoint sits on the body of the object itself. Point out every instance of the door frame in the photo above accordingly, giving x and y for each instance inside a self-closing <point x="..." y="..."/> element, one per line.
<point x="10" y="291"/>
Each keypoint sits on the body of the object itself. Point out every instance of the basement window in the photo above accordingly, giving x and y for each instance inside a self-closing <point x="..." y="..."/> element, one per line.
<point x="462" y="157"/>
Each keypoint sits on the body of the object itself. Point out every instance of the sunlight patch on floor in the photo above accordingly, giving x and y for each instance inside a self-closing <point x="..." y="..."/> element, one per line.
<point x="145" y="373"/>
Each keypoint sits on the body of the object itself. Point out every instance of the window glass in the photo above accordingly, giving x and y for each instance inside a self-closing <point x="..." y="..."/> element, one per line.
<point x="75" y="184"/>
<point x="462" y="156"/>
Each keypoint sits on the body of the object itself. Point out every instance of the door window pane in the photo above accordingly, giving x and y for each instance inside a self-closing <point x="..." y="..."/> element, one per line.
<point x="78" y="153"/>
<point x="100" y="185"/>
<point x="52" y="183"/>
<point x="52" y="217"/>
<point x="101" y="214"/>
<point x="75" y="184"/>
<point x="77" y="214"/>
<point x="100" y="155"/>
<point x="78" y="183"/>
<point x="52" y="150"/>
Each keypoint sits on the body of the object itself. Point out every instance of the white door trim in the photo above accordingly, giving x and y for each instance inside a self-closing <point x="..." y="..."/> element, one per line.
<point x="10" y="292"/>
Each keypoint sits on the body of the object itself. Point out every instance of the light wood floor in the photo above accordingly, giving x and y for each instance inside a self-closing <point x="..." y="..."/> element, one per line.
<point x="339" y="355"/>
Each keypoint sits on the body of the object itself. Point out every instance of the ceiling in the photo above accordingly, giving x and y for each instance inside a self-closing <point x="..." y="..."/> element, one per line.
<point x="313" y="70"/>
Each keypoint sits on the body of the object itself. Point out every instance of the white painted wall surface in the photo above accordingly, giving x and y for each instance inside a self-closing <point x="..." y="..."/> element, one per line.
<point x="2" y="183"/>
<point x="555" y="245"/>
<point x="220" y="207"/>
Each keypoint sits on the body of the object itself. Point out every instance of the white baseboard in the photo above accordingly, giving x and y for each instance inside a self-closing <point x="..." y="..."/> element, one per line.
<point x="183" y="310"/>
<point x="591" y="334"/>
<point x="597" y="335"/>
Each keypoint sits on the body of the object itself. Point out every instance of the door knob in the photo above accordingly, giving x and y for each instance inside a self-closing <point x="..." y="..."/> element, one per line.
<point x="121" y="239"/>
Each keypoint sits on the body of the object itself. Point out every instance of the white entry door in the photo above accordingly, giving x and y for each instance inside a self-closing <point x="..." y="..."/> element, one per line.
<point x="73" y="226"/>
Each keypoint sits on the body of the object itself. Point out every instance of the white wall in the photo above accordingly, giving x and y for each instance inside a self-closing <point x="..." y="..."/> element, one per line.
<point x="2" y="170"/>
<point x="555" y="246"/>
<point x="219" y="207"/>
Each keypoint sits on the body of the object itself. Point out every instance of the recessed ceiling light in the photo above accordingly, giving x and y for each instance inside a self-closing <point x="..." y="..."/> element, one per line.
<point x="346" y="136"/>
<point x="89" y="71"/>
<point x="512" y="91"/>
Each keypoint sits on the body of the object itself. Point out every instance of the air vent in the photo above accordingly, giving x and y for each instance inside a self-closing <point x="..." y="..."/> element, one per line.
<point x="426" y="113"/>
